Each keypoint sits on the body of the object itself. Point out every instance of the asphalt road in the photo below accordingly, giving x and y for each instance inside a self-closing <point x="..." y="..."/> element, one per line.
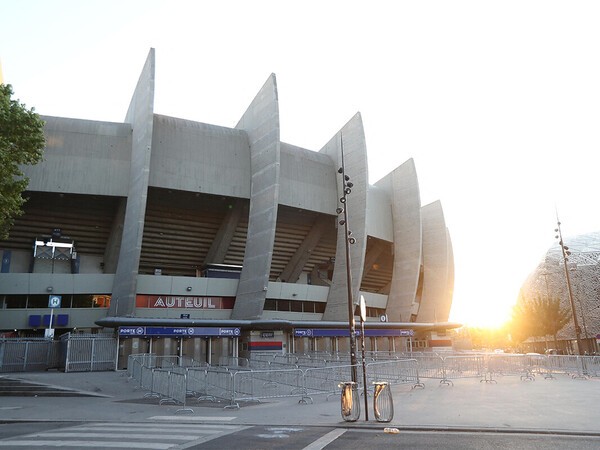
<point x="104" y="435"/>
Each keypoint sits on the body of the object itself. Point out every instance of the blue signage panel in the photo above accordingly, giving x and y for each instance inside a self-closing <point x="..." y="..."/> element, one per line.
<point x="340" y="332"/>
<point x="140" y="331"/>
<point x="390" y="332"/>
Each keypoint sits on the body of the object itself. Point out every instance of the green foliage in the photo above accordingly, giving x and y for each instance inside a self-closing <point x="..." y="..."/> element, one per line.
<point x="538" y="317"/>
<point x="21" y="143"/>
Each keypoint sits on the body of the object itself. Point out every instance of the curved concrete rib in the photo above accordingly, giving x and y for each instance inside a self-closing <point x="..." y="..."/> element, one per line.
<point x="356" y="167"/>
<point x="438" y="266"/>
<point x="403" y="187"/>
<point x="261" y="123"/>
<point x="141" y="117"/>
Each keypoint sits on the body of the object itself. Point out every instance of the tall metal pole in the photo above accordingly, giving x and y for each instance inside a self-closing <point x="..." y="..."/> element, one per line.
<point x="351" y="321"/>
<point x="569" y="290"/>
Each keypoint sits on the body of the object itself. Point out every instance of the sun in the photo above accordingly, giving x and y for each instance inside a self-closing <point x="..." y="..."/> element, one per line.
<point x="480" y="315"/>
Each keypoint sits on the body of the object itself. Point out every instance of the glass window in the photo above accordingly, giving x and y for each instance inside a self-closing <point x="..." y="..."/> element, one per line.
<point x="296" y="306"/>
<point x="38" y="301"/>
<point x="319" y="307"/>
<point x="283" y="305"/>
<point x="83" y="301"/>
<point x="270" y="305"/>
<point x="15" y="301"/>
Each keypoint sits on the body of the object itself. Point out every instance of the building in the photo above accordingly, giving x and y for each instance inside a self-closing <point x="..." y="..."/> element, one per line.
<point x="201" y="240"/>
<point x="549" y="280"/>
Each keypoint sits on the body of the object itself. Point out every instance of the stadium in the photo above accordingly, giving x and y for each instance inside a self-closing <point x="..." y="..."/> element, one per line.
<point x="549" y="279"/>
<point x="191" y="239"/>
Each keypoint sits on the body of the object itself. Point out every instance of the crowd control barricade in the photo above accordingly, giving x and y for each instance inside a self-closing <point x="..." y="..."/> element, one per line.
<point x="383" y="403"/>
<point x="566" y="364"/>
<point x="234" y="362"/>
<point x="350" y="401"/>
<point x="455" y="367"/>
<point x="256" y="385"/>
<point x="311" y="362"/>
<point x="401" y="371"/>
<point x="146" y="378"/>
<point x="327" y="380"/>
<point x="197" y="384"/>
<point x="170" y="386"/>
<point x="593" y="366"/>
<point x="522" y="365"/>
<point x="430" y="366"/>
<point x="219" y="382"/>
<point x="178" y="389"/>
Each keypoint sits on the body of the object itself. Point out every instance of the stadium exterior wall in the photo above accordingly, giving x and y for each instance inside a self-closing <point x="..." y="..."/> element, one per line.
<point x="279" y="220"/>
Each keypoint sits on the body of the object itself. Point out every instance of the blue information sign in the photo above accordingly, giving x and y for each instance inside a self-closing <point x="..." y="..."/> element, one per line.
<point x="340" y="332"/>
<point x="141" y="331"/>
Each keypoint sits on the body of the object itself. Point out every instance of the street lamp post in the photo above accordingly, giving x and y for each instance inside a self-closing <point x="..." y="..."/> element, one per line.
<point x="565" y="254"/>
<point x="348" y="240"/>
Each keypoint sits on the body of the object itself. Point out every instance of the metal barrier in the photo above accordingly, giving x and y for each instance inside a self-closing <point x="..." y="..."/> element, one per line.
<point x="197" y="384"/>
<point x="88" y="353"/>
<point x="178" y="390"/>
<point x="233" y="361"/>
<point x="327" y="380"/>
<point x="575" y="366"/>
<point x="164" y="377"/>
<point x="525" y="366"/>
<point x="265" y="384"/>
<point x="23" y="355"/>
<point x="430" y="366"/>
<point x="402" y="371"/>
<point x="593" y="366"/>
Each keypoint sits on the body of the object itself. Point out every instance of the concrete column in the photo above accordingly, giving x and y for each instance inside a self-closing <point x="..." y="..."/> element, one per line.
<point x="261" y="123"/>
<point x="356" y="167"/>
<point x="403" y="187"/>
<point x="141" y="117"/>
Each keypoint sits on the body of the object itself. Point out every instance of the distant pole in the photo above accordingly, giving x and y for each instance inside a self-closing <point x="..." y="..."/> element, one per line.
<point x="348" y="240"/>
<point x="363" y="318"/>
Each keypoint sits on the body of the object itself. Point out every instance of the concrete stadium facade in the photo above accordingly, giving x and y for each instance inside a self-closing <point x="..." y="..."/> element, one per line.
<point x="175" y="223"/>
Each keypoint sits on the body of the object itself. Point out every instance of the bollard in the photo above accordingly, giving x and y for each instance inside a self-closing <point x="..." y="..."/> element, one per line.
<point x="350" y="401"/>
<point x="383" y="404"/>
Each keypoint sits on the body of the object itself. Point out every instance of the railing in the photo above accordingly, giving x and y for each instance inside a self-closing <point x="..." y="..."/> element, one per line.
<point x="264" y="378"/>
<point x="88" y="353"/>
<point x="23" y="355"/>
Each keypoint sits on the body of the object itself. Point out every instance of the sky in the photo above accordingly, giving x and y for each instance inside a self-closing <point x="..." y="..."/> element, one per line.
<point x="497" y="102"/>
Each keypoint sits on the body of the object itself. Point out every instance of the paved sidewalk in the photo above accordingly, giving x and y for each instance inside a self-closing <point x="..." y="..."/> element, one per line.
<point x="562" y="405"/>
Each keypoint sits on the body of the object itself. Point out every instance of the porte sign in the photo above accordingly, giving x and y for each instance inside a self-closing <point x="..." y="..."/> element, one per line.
<point x="54" y="301"/>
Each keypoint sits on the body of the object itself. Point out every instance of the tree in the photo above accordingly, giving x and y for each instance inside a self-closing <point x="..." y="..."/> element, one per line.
<point x="552" y="316"/>
<point x="538" y="317"/>
<point x="21" y="143"/>
<point x="522" y="324"/>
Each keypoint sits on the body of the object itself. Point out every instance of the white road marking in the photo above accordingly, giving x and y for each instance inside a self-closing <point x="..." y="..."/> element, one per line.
<point x="99" y="435"/>
<point x="193" y="418"/>
<point x="324" y="441"/>
<point x="97" y="444"/>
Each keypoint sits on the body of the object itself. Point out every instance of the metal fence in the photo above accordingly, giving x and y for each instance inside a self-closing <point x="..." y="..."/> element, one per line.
<point x="72" y="353"/>
<point x="23" y="355"/>
<point x="307" y="376"/>
<point x="88" y="353"/>
<point x="236" y="385"/>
